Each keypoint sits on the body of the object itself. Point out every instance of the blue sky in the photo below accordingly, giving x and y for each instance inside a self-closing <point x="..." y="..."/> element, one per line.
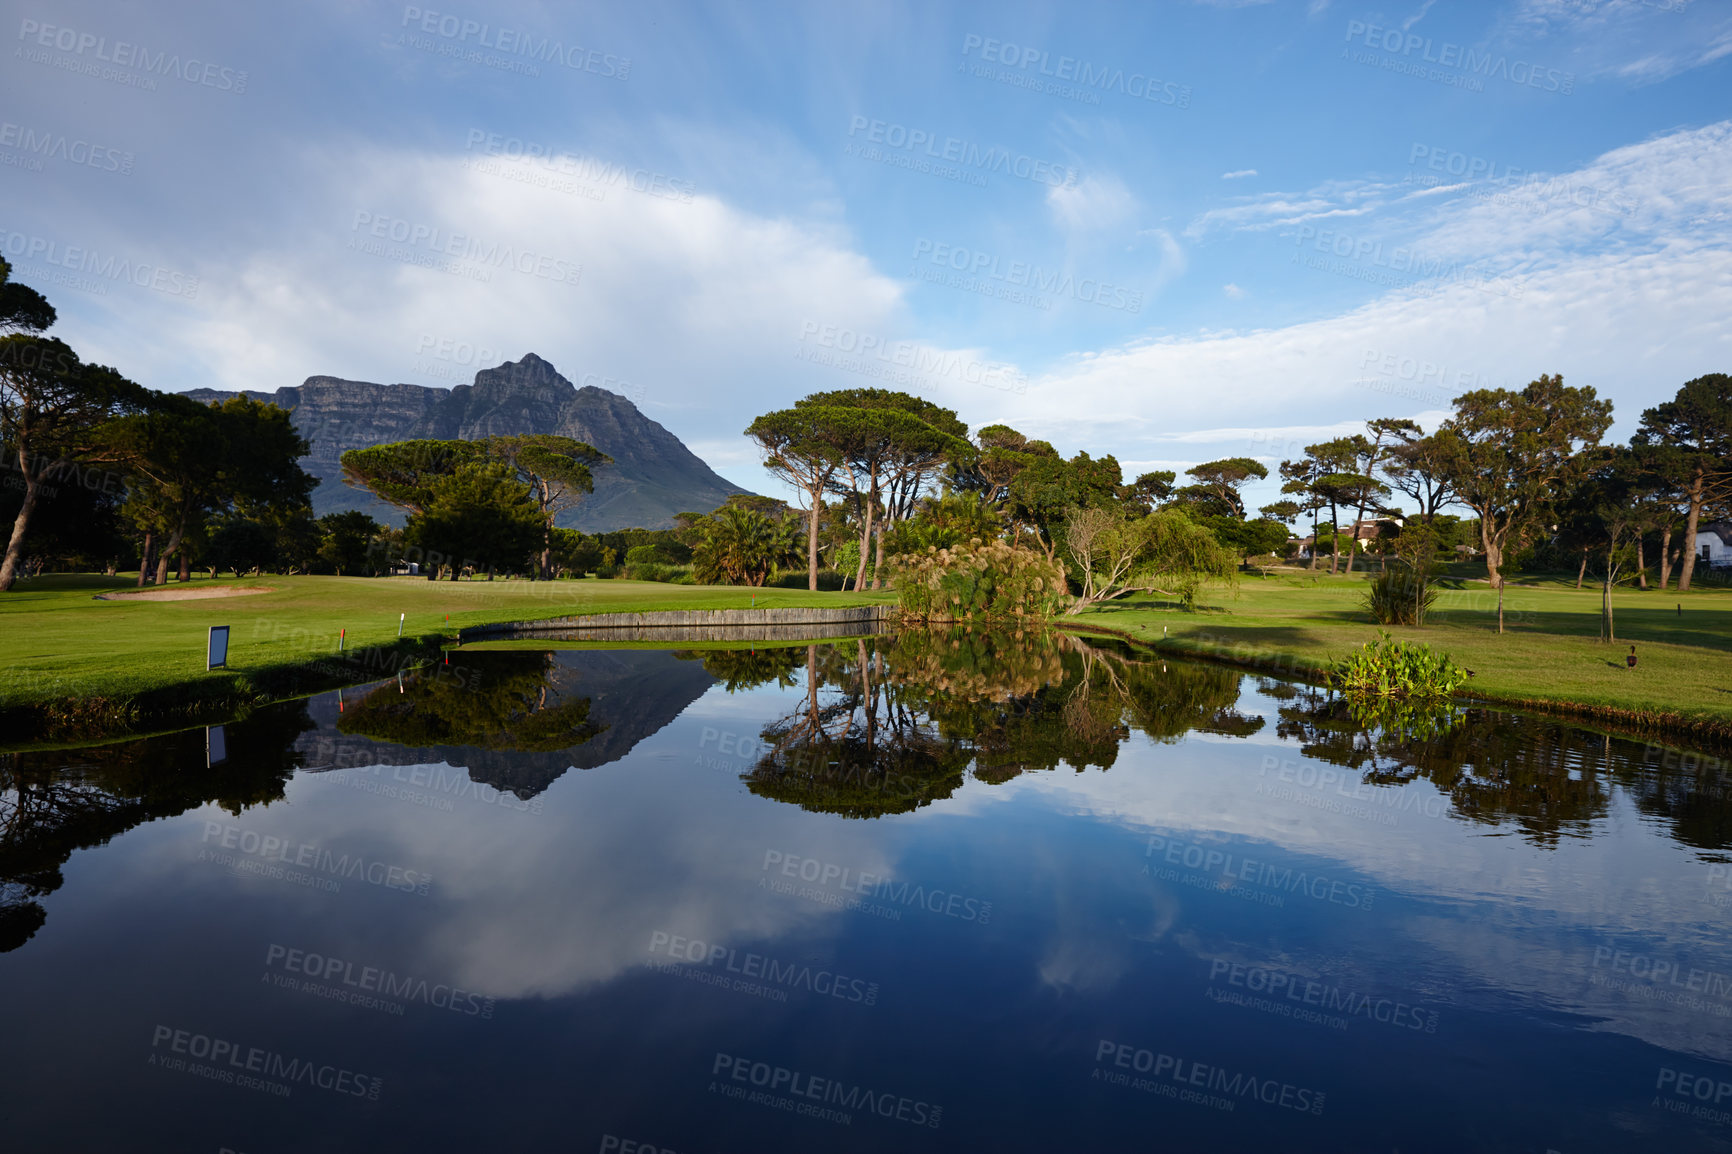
<point x="1173" y="233"/>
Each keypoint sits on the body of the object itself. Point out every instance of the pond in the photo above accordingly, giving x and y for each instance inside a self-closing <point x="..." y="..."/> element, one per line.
<point x="916" y="892"/>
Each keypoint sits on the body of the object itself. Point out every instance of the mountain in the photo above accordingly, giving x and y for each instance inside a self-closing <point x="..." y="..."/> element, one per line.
<point x="633" y="694"/>
<point x="653" y="475"/>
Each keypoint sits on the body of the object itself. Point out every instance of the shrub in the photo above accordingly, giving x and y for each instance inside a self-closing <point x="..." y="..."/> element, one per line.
<point x="978" y="580"/>
<point x="1400" y="596"/>
<point x="1389" y="668"/>
<point x="655" y="571"/>
<point x="828" y="580"/>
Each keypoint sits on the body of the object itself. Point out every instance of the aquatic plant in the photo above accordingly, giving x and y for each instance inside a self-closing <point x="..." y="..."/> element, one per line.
<point x="1390" y="668"/>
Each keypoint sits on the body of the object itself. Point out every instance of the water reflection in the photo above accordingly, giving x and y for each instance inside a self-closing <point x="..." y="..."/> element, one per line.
<point x="54" y="803"/>
<point x="1090" y="870"/>
<point x="892" y="724"/>
<point x="1550" y="779"/>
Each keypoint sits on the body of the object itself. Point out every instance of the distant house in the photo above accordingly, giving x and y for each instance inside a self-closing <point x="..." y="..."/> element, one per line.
<point x="1364" y="533"/>
<point x="1714" y="544"/>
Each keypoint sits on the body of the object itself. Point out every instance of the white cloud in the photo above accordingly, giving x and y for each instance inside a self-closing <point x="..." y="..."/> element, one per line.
<point x="1091" y="204"/>
<point x="1233" y="291"/>
<point x="1239" y="174"/>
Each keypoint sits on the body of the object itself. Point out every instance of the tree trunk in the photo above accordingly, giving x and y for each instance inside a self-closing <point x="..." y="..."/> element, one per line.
<point x="1688" y="569"/>
<point x="1334" y="539"/>
<point x="15" y="546"/>
<point x="1641" y="565"/>
<point x="144" y="557"/>
<point x="1493" y="554"/>
<point x="1665" y="554"/>
<point x="1582" y="573"/>
<point x="185" y="564"/>
<point x="878" y="562"/>
<point x="866" y="530"/>
<point x="1606" y="604"/>
<point x="817" y="495"/>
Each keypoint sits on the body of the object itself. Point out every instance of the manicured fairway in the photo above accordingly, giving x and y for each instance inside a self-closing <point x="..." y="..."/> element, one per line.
<point x="60" y="641"/>
<point x="1550" y="651"/>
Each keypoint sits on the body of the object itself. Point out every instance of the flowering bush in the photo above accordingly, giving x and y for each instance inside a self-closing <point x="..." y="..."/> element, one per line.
<point x="977" y="579"/>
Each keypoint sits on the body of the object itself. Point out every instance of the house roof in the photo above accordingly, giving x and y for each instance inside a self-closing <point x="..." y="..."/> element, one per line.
<point x="1720" y="529"/>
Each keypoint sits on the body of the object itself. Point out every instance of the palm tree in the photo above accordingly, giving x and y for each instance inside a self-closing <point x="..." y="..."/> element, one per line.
<point x="742" y="546"/>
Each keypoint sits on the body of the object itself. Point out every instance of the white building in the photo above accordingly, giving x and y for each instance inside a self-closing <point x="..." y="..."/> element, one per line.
<point x="1714" y="544"/>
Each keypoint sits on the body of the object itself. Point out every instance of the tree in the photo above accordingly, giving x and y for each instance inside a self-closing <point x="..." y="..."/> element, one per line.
<point x="806" y="447"/>
<point x="1605" y="509"/>
<point x="742" y="546"/>
<point x="51" y="403"/>
<point x="1369" y="453"/>
<point x="1507" y="453"/>
<point x="1151" y="490"/>
<point x="1417" y="466"/>
<point x="1218" y="483"/>
<point x="406" y="473"/>
<point x="1691" y="439"/>
<point x="346" y="540"/>
<point x="1115" y="557"/>
<point x="1043" y="494"/>
<point x="480" y="515"/>
<point x="1300" y="481"/>
<point x="189" y="460"/>
<point x="557" y="471"/>
<point x="895" y="444"/>
<point x="1325" y="477"/>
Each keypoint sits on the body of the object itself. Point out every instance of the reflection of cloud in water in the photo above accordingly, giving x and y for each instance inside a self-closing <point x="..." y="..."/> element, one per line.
<point x="549" y="904"/>
<point x="1509" y="927"/>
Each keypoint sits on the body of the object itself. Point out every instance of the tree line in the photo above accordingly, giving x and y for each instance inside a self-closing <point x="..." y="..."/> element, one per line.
<point x="885" y="473"/>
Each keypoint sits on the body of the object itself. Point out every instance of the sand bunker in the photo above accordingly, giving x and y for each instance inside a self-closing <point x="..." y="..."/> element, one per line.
<point x="186" y="593"/>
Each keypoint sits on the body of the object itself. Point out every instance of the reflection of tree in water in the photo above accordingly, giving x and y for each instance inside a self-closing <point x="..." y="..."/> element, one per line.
<point x="496" y="700"/>
<point x="54" y="803"/>
<point x="890" y="724"/>
<point x="1550" y="778"/>
<point x="740" y="669"/>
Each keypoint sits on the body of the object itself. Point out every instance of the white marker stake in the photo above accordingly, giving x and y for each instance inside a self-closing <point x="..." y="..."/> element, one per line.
<point x="400" y="617"/>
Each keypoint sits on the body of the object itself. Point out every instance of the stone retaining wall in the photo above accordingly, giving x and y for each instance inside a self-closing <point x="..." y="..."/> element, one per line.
<point x="690" y="622"/>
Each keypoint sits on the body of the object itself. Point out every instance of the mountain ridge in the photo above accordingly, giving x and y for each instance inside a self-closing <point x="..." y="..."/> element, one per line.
<point x="654" y="475"/>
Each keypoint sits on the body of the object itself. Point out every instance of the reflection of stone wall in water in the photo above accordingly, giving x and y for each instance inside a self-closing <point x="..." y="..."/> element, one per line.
<point x="56" y="802"/>
<point x="891" y="725"/>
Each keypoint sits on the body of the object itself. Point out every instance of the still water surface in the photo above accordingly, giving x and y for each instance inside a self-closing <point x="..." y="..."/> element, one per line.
<point x="913" y="893"/>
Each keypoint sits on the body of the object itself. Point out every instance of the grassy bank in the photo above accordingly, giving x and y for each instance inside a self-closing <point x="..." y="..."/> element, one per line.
<point x="73" y="663"/>
<point x="76" y="665"/>
<point x="1549" y="656"/>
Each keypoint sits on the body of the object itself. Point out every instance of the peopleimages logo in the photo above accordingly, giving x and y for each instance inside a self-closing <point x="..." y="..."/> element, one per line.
<point x="460" y="31"/>
<point x="26" y="248"/>
<point x="804" y="1090"/>
<point x="1217" y="865"/>
<point x="1087" y="77"/>
<point x="1197" y="1082"/>
<point x="225" y="1061"/>
<point x="910" y="895"/>
<point x="44" y="145"/>
<point x="1393" y="42"/>
<point x="134" y="56"/>
<point x="953" y="150"/>
<point x="763" y="969"/>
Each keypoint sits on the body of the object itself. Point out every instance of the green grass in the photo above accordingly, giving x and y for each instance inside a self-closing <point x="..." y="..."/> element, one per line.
<point x="64" y="647"/>
<point x="61" y="642"/>
<point x="1549" y="654"/>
